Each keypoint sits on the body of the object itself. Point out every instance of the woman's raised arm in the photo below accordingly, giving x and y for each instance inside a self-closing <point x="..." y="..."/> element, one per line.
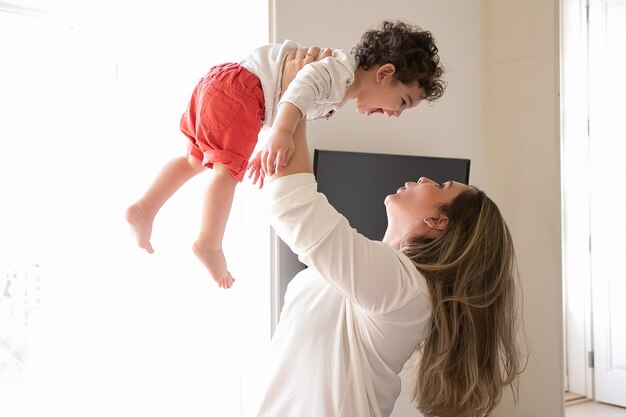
<point x="300" y="161"/>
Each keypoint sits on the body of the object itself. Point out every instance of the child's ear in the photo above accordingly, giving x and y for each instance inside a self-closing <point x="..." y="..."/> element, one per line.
<point x="385" y="71"/>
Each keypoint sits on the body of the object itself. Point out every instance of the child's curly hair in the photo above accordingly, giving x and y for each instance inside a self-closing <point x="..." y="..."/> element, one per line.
<point x="410" y="49"/>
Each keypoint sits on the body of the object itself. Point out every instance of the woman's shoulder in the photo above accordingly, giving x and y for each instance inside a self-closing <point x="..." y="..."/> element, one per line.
<point x="411" y="280"/>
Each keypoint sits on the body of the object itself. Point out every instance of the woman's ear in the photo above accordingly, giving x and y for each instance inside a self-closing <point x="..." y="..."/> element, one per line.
<point x="437" y="223"/>
<point x="385" y="71"/>
<point x="442" y="222"/>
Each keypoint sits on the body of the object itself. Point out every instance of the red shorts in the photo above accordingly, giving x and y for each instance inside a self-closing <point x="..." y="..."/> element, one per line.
<point x="224" y="117"/>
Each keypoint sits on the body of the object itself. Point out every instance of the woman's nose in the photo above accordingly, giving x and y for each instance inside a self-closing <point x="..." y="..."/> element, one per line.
<point x="423" y="179"/>
<point x="392" y="113"/>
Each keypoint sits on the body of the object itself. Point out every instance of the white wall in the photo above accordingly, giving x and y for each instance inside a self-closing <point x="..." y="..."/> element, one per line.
<point x="521" y="132"/>
<point x="501" y="111"/>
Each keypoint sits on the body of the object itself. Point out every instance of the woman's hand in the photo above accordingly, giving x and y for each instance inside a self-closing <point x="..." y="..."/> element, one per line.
<point x="297" y="59"/>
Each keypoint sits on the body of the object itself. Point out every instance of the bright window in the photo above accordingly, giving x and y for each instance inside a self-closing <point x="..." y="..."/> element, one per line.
<point x="90" y="99"/>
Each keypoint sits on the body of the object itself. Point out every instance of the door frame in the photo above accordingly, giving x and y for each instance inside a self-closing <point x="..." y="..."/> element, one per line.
<point x="578" y="329"/>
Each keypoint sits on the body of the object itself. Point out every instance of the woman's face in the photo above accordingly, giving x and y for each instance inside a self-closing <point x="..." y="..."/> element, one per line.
<point x="417" y="200"/>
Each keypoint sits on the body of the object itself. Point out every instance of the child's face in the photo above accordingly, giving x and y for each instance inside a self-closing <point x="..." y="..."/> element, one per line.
<point x="385" y="95"/>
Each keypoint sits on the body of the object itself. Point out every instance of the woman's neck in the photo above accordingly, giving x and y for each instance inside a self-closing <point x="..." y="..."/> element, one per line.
<point x="392" y="239"/>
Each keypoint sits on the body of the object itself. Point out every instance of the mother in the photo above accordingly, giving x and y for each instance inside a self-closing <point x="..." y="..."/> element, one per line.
<point x="442" y="282"/>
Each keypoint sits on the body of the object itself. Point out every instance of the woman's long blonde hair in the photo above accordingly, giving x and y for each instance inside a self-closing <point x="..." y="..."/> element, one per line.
<point x="472" y="351"/>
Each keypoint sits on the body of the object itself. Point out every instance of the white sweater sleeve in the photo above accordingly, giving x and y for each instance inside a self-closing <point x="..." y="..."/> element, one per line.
<point x="369" y="273"/>
<point x="324" y="81"/>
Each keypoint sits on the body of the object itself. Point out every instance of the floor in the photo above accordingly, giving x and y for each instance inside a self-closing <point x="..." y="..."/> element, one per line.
<point x="593" y="409"/>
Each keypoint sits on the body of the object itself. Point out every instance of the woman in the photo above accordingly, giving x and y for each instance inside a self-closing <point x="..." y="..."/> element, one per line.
<point x="442" y="282"/>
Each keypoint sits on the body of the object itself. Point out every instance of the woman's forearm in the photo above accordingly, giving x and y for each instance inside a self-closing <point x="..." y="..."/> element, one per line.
<point x="300" y="161"/>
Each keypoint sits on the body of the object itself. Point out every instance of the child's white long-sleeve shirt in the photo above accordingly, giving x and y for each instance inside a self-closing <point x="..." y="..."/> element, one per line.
<point x="319" y="88"/>
<point x="350" y="320"/>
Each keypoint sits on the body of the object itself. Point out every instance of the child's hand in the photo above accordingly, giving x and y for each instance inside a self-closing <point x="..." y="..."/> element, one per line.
<point x="255" y="171"/>
<point x="277" y="152"/>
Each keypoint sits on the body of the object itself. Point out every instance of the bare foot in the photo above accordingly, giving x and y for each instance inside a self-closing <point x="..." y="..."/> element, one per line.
<point x="141" y="226"/>
<point x="215" y="262"/>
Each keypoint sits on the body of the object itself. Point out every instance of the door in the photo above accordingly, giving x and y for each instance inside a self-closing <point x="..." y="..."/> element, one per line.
<point x="607" y="30"/>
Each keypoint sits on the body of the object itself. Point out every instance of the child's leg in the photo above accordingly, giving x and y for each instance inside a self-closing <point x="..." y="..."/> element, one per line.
<point x="217" y="204"/>
<point x="174" y="174"/>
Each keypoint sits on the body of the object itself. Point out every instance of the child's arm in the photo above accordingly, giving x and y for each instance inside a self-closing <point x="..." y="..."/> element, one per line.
<point x="280" y="146"/>
<point x="290" y="115"/>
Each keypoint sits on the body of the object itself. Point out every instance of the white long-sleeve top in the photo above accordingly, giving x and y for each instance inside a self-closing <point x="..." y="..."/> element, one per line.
<point x="319" y="88"/>
<point x="350" y="320"/>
